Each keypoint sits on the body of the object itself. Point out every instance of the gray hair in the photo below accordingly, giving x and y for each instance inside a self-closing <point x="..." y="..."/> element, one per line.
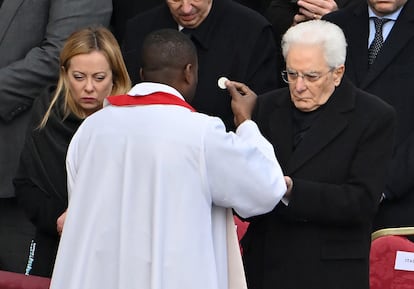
<point x="324" y="33"/>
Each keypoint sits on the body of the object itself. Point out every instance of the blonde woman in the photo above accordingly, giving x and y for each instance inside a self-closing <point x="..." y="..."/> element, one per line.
<point x="92" y="68"/>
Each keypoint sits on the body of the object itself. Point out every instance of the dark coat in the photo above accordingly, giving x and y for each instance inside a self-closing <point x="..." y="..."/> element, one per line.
<point x="258" y="5"/>
<point x="391" y="78"/>
<point x="126" y="9"/>
<point x="321" y="240"/>
<point x="40" y="182"/>
<point x="233" y="41"/>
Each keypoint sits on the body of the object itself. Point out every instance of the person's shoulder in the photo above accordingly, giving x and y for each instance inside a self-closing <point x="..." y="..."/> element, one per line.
<point x="371" y="103"/>
<point x="236" y="12"/>
<point x="274" y="97"/>
<point x="140" y="25"/>
<point x="150" y="14"/>
<point x="104" y="118"/>
<point x="42" y="102"/>
<point x="200" y="118"/>
<point x="344" y="14"/>
<point x="271" y="100"/>
<point x="373" y="111"/>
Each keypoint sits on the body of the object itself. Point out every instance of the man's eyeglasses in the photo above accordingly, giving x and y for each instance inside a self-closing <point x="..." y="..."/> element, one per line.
<point x="292" y="76"/>
<point x="179" y="1"/>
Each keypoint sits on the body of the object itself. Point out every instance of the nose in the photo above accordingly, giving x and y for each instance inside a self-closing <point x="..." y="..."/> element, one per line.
<point x="186" y="6"/>
<point x="300" y="84"/>
<point x="89" y="85"/>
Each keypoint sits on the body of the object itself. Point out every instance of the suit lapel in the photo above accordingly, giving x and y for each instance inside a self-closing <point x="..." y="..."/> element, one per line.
<point x="326" y="127"/>
<point x="329" y="124"/>
<point x="7" y="12"/>
<point x="401" y="33"/>
<point x="281" y="128"/>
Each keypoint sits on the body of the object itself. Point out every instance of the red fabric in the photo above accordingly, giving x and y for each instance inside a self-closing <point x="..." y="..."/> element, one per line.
<point x="10" y="280"/>
<point x="153" y="98"/>
<point x="241" y="229"/>
<point x="382" y="261"/>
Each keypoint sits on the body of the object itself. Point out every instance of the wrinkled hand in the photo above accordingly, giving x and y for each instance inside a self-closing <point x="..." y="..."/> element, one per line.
<point x="59" y="223"/>
<point x="289" y="185"/>
<point x="313" y="9"/>
<point x="243" y="100"/>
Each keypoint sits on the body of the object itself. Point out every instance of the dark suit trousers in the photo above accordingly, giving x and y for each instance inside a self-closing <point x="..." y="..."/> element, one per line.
<point x="16" y="233"/>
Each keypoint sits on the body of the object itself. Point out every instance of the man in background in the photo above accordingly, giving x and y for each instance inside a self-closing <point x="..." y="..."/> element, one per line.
<point x="231" y="40"/>
<point x="388" y="73"/>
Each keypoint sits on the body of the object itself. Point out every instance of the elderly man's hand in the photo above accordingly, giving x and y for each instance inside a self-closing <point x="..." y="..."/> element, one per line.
<point x="243" y="101"/>
<point x="60" y="222"/>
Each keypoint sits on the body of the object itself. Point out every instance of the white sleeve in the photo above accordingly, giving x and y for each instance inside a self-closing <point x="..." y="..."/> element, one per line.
<point x="242" y="169"/>
<point x="71" y="161"/>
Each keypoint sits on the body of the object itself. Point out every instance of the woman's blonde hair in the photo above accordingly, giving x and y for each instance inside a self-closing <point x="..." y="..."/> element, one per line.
<point x="86" y="41"/>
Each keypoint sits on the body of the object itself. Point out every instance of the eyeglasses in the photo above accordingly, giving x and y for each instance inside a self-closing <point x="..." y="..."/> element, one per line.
<point x="292" y="76"/>
<point x="180" y="1"/>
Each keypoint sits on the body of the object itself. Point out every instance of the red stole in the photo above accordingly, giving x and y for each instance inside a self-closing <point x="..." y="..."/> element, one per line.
<point x="153" y="98"/>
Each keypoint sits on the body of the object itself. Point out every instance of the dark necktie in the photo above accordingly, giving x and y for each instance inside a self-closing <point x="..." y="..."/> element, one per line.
<point x="376" y="44"/>
<point x="1" y="2"/>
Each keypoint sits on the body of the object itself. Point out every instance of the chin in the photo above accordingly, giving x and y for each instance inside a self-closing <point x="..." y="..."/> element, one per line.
<point x="306" y="108"/>
<point x="90" y="109"/>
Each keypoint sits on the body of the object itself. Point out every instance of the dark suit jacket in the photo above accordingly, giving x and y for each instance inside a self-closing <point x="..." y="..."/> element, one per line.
<point x="322" y="239"/>
<point x="126" y="9"/>
<point x="31" y="36"/>
<point x="258" y="5"/>
<point x="391" y="78"/>
<point x="233" y="41"/>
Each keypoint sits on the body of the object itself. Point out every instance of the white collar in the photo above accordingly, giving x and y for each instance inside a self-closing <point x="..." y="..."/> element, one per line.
<point x="145" y="88"/>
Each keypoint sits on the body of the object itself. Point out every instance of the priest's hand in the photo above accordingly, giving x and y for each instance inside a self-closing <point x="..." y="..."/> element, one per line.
<point x="243" y="100"/>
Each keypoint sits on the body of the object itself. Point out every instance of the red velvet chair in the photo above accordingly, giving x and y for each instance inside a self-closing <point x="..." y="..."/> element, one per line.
<point x="10" y="280"/>
<point x="392" y="259"/>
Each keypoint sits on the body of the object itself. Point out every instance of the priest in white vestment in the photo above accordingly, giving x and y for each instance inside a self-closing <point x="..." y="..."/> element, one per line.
<point x="150" y="179"/>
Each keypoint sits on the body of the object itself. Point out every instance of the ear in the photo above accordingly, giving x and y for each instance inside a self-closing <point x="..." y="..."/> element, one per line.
<point x="188" y="73"/>
<point x="338" y="73"/>
<point x="63" y="71"/>
<point x="141" y="74"/>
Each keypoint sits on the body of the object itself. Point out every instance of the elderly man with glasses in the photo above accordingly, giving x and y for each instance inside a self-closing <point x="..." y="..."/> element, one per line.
<point x="334" y="142"/>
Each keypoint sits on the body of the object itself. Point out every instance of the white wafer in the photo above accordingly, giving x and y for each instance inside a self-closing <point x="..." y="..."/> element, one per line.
<point x="222" y="82"/>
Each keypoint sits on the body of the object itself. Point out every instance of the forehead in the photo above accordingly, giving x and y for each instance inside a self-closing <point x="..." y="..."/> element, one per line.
<point x="89" y="61"/>
<point x="305" y="57"/>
